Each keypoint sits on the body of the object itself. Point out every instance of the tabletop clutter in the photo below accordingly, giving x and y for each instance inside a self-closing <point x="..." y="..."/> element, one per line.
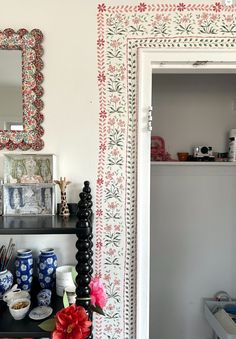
<point x="201" y="152"/>
<point x="51" y="280"/>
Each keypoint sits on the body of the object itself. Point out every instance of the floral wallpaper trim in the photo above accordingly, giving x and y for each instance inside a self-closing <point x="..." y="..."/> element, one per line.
<point x="122" y="30"/>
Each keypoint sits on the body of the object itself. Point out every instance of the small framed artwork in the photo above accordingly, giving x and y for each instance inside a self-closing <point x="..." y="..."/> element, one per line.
<point x="34" y="199"/>
<point x="29" y="168"/>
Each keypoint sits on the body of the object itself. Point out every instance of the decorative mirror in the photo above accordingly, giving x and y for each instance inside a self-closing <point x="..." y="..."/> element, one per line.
<point x="21" y="90"/>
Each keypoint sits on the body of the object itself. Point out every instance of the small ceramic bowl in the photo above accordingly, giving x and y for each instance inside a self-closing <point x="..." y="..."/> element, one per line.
<point x="182" y="156"/>
<point x="14" y="294"/>
<point x="19" y="308"/>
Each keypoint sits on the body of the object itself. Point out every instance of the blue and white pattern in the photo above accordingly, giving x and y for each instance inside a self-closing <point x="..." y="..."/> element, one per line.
<point x="44" y="297"/>
<point x="6" y="282"/>
<point x="24" y="269"/>
<point x="47" y="264"/>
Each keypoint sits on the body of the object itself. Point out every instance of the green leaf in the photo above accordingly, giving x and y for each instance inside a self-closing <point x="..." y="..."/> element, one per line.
<point x="97" y="309"/>
<point x="65" y="300"/>
<point x="48" y="325"/>
<point x="74" y="275"/>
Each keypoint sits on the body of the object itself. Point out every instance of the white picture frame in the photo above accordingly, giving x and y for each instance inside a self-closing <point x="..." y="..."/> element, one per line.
<point x="29" y="168"/>
<point x="34" y="199"/>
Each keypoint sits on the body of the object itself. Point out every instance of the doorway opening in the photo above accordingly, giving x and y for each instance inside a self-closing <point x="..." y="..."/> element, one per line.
<point x="181" y="68"/>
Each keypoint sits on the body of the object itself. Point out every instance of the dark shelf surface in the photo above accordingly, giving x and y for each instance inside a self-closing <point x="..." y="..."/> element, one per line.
<point x="55" y="224"/>
<point x="26" y="327"/>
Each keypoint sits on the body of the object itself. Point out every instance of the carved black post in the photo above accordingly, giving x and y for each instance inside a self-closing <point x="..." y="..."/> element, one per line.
<point x="84" y="246"/>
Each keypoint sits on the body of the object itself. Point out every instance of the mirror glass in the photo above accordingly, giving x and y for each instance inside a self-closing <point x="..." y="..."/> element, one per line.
<point x="11" y="105"/>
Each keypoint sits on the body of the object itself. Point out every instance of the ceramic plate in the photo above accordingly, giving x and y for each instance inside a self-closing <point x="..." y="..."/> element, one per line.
<point x="40" y="312"/>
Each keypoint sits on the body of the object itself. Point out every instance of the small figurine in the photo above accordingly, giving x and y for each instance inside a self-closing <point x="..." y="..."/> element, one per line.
<point x="158" y="150"/>
<point x="64" y="210"/>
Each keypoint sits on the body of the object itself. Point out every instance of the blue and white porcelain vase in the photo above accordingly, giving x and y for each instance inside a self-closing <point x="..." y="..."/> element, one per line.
<point x="24" y="269"/>
<point x="47" y="264"/>
<point x="6" y="282"/>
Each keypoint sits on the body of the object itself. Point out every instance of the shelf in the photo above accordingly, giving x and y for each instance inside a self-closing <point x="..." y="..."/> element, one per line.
<point x="26" y="327"/>
<point x="217" y="327"/>
<point x="38" y="225"/>
<point x="192" y="163"/>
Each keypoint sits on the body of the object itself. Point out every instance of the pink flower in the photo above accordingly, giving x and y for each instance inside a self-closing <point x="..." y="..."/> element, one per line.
<point x="100" y="42"/>
<point x="181" y="7"/>
<point x="108" y="228"/>
<point x="101" y="77"/>
<point x="99" y="213"/>
<point x="136" y="20"/>
<point x="115" y="43"/>
<point x="204" y="16"/>
<point x="185" y="19"/>
<point x="99" y="244"/>
<point x="103" y="114"/>
<point x="142" y="7"/>
<point x="102" y="147"/>
<point x="102" y="8"/>
<point x="107" y="277"/>
<point x="100" y="181"/>
<point x="217" y="7"/>
<point x="229" y="18"/>
<point x="111" y="69"/>
<point x="97" y="293"/>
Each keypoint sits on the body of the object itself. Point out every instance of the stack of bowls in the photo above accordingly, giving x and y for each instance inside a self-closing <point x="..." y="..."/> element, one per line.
<point x="63" y="279"/>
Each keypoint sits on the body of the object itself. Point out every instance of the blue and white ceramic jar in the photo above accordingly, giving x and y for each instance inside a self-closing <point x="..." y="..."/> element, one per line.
<point x="6" y="282"/>
<point x="47" y="264"/>
<point x="24" y="269"/>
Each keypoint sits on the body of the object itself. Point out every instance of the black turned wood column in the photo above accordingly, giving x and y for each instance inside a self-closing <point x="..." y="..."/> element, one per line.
<point x="84" y="246"/>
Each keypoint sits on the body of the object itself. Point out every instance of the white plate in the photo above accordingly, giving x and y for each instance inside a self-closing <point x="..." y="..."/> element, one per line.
<point x="40" y="312"/>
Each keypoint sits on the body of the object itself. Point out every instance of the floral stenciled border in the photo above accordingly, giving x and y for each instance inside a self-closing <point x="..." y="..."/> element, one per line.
<point x="122" y="30"/>
<point x="30" y="45"/>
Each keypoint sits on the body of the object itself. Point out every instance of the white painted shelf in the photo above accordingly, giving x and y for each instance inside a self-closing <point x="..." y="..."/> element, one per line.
<point x="218" y="327"/>
<point x="192" y="163"/>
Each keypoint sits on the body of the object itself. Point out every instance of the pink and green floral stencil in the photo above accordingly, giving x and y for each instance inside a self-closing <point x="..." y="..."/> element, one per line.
<point x="30" y="45"/>
<point x="122" y="30"/>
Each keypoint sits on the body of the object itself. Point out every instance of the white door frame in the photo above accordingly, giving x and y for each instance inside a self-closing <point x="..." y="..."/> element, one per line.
<point x="152" y="60"/>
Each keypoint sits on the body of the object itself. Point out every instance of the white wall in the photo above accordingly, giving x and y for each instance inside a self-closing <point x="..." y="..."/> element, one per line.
<point x="192" y="208"/>
<point x="199" y="107"/>
<point x="192" y="246"/>
<point x="70" y="98"/>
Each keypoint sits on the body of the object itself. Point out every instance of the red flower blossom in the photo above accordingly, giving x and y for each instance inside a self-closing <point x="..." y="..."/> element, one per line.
<point x="101" y="77"/>
<point x="102" y="147"/>
<point x="100" y="42"/>
<point x="72" y="323"/>
<point x="181" y="6"/>
<point x="217" y="7"/>
<point x="99" y="244"/>
<point x="103" y="114"/>
<point x="97" y="293"/>
<point x="102" y="8"/>
<point x="99" y="213"/>
<point x="142" y="7"/>
<point x="99" y="181"/>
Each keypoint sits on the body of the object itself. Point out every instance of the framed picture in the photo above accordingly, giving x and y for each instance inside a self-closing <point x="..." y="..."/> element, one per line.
<point x="29" y="168"/>
<point x="34" y="199"/>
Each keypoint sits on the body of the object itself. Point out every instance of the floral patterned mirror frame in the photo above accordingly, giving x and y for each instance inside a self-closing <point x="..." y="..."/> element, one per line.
<point x="30" y="45"/>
